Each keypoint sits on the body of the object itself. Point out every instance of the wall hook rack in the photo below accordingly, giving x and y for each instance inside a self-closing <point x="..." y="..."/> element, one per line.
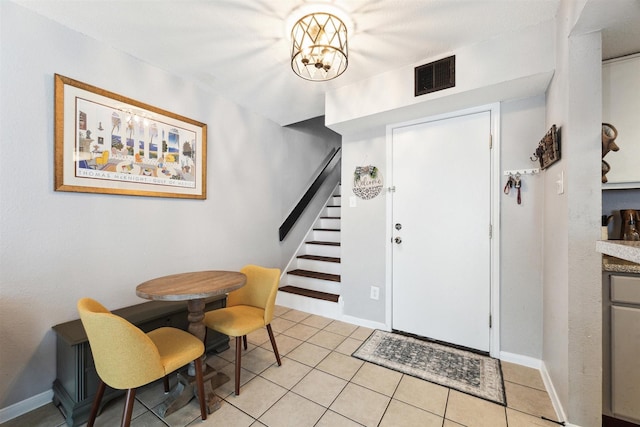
<point x="522" y="171"/>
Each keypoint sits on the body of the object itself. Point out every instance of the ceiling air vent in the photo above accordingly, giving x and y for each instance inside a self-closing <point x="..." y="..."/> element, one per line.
<point x="435" y="76"/>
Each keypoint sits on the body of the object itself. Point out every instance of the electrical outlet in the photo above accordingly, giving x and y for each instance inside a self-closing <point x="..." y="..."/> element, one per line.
<point x="375" y="292"/>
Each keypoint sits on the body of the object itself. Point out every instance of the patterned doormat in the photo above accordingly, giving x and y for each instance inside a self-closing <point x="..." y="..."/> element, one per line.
<point x="462" y="370"/>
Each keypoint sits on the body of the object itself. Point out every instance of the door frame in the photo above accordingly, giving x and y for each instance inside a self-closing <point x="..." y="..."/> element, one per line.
<point x="495" y="183"/>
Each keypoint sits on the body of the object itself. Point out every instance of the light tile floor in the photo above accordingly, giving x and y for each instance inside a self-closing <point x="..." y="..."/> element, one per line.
<point x="320" y="384"/>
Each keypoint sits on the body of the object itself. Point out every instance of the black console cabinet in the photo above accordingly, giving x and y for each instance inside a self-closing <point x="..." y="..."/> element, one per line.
<point x="76" y="378"/>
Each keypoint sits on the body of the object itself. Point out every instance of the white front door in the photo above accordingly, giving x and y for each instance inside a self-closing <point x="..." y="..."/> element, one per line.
<point x="441" y="218"/>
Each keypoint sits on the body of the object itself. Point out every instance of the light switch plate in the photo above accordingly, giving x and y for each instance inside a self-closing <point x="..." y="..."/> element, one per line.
<point x="560" y="183"/>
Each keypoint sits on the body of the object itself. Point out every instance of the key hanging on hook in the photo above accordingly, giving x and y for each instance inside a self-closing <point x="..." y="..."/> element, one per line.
<point x="517" y="184"/>
<point x="508" y="185"/>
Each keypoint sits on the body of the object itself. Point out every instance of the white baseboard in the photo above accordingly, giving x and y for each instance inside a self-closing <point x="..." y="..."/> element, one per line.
<point x="519" y="359"/>
<point x="538" y="364"/>
<point x="27" y="405"/>
<point x="324" y="308"/>
<point x="363" y="322"/>
<point x="555" y="400"/>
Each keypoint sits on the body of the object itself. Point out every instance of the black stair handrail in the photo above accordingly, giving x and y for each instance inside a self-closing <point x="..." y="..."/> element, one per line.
<point x="295" y="214"/>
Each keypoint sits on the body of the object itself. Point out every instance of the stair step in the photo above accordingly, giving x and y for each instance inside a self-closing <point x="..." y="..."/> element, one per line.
<point x="320" y="258"/>
<point x="326" y="229"/>
<point x="329" y="217"/>
<point x="316" y="242"/>
<point x="309" y="293"/>
<point x="315" y="275"/>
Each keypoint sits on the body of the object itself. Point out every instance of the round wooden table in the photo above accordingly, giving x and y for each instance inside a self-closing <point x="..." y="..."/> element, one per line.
<point x="194" y="288"/>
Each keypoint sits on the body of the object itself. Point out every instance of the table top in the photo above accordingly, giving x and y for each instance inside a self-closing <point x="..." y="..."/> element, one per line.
<point x="187" y="286"/>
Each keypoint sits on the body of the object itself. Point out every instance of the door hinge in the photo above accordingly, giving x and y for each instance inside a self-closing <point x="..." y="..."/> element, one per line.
<point x="490" y="321"/>
<point x="391" y="189"/>
<point x="490" y="231"/>
<point x="490" y="141"/>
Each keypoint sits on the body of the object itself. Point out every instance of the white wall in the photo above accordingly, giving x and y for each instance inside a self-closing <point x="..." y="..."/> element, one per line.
<point x="362" y="123"/>
<point x="57" y="247"/>
<point x="572" y="348"/>
<point x="516" y="66"/>
<point x="512" y="66"/>
<point x="308" y="141"/>
<point x="560" y="319"/>
<point x="555" y="258"/>
<point x="363" y="229"/>
<point x="523" y="125"/>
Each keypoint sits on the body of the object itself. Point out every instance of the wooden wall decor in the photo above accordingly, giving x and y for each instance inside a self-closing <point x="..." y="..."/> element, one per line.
<point x="548" y="151"/>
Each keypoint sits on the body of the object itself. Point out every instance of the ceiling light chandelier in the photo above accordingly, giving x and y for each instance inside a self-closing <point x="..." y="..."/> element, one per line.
<point x="319" y="47"/>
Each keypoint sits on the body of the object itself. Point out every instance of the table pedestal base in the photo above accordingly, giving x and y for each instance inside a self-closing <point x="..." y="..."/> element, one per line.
<point x="186" y="389"/>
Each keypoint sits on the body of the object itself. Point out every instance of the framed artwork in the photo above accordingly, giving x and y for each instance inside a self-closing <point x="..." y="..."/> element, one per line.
<point x="111" y="144"/>
<point x="548" y="151"/>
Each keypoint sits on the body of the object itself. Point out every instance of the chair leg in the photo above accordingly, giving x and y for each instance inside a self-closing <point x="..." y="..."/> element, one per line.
<point x="244" y="341"/>
<point x="200" y="384"/>
<point x="273" y="344"/>
<point x="128" y="407"/>
<point x="238" y="357"/>
<point x="96" y="403"/>
<point x="165" y="381"/>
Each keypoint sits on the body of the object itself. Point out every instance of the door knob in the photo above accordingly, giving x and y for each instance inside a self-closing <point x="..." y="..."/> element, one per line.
<point x="398" y="226"/>
<point x="398" y="240"/>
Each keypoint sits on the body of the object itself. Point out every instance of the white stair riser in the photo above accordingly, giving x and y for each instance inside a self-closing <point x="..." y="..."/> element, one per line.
<point x="319" y="266"/>
<point x="331" y="211"/>
<point x="322" y="250"/>
<point x="327" y="309"/>
<point x="314" y="284"/>
<point x="326" y="236"/>
<point x="328" y="223"/>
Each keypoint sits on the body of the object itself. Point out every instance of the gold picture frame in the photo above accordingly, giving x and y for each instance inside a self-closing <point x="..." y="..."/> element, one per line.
<point x="110" y="144"/>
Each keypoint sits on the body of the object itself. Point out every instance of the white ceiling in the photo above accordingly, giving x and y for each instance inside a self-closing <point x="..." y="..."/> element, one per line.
<point x="239" y="49"/>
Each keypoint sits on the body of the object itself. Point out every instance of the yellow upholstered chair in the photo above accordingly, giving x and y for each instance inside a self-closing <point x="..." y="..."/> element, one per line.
<point x="126" y="358"/>
<point x="248" y="309"/>
<point x="104" y="159"/>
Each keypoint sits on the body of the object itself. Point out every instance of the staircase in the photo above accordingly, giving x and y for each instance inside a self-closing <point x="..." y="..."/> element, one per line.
<point x="312" y="282"/>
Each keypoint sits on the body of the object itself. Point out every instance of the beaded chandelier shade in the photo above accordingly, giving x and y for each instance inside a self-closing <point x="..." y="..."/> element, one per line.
<point x="319" y="47"/>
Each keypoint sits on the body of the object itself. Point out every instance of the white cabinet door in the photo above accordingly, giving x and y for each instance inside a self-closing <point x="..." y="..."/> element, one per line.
<point x="620" y="106"/>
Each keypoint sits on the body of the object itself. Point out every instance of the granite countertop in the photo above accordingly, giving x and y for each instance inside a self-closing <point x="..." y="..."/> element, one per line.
<point x="619" y="255"/>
